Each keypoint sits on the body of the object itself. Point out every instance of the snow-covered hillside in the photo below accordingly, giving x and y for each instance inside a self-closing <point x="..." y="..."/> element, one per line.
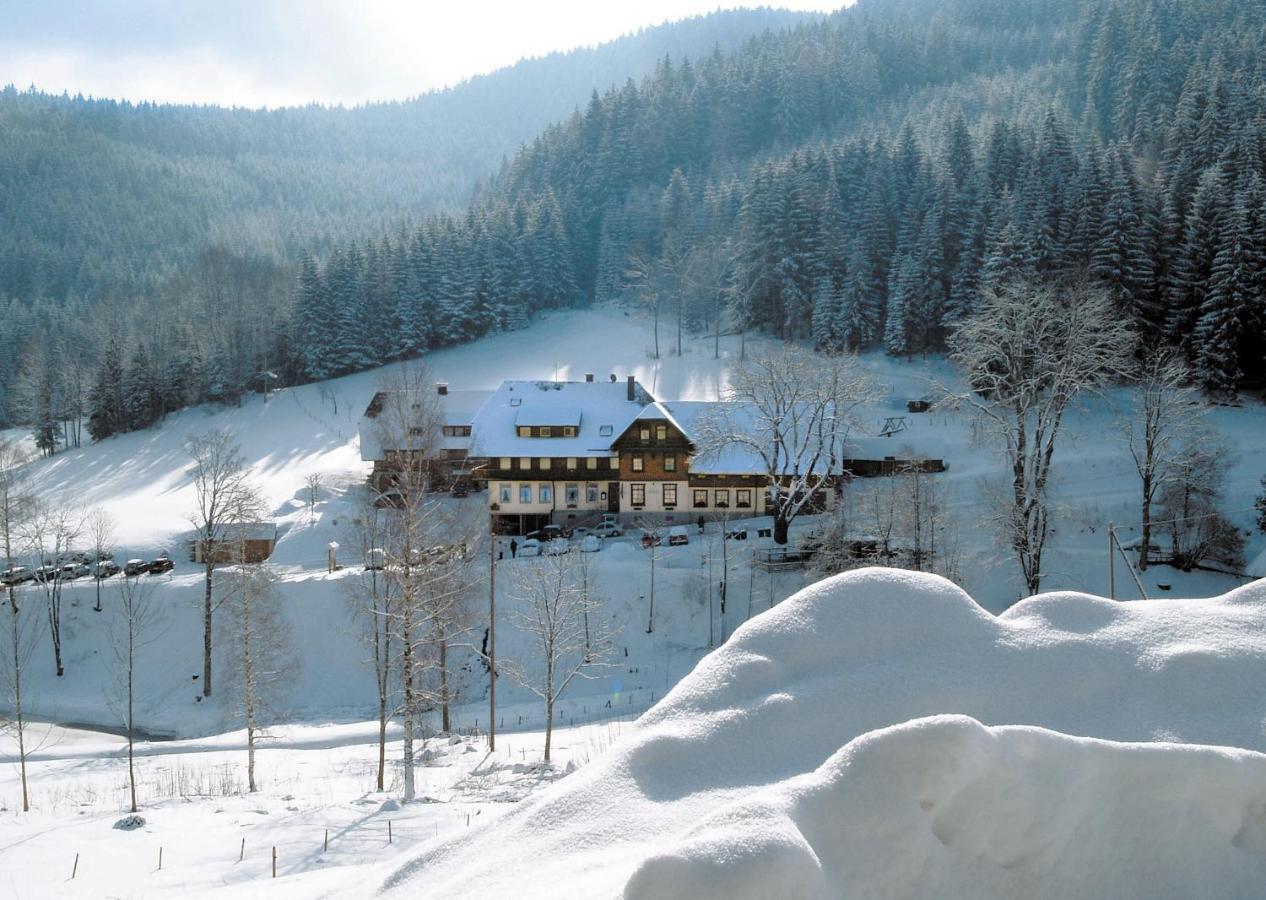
<point x="781" y="766"/>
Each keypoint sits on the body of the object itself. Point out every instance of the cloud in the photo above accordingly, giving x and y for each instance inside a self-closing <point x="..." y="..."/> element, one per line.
<point x="285" y="52"/>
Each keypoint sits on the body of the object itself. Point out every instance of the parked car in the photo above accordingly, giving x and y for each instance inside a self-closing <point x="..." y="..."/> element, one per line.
<point x="590" y="543"/>
<point x="161" y="565"/>
<point x="72" y="570"/>
<point x="460" y="489"/>
<point x="677" y="535"/>
<point x="550" y="532"/>
<point x="579" y="534"/>
<point x="556" y="547"/>
<point x="651" y="538"/>
<point x="106" y="569"/>
<point x="134" y="567"/>
<point x="736" y="534"/>
<point x="608" y="529"/>
<point x="47" y="572"/>
<point x="16" y="575"/>
<point x="530" y="547"/>
<point x="375" y="559"/>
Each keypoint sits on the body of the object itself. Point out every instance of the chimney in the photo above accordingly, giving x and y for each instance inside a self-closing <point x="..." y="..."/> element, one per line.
<point x="441" y="388"/>
<point x="632" y="392"/>
<point x="588" y="378"/>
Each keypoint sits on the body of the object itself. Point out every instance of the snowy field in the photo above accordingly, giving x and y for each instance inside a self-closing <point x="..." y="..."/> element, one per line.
<point x="1139" y="672"/>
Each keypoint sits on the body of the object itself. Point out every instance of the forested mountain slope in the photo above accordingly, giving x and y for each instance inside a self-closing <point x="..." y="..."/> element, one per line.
<point x="858" y="182"/>
<point x="99" y="196"/>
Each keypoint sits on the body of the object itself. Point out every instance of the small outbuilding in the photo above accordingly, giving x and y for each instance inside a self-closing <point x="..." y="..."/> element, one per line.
<point x="249" y="542"/>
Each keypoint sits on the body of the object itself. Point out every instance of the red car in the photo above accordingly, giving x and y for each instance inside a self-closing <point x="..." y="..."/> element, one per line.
<point x="651" y="539"/>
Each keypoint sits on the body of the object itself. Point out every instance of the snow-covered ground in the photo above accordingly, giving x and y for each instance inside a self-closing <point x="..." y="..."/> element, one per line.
<point x="315" y="780"/>
<point x="1068" y="663"/>
<point x="775" y="768"/>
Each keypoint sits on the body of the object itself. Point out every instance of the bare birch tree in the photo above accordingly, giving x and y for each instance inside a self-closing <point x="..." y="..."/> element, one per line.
<point x="427" y="543"/>
<point x="131" y="628"/>
<point x="220" y="479"/>
<point x="373" y="599"/>
<point x="260" y="648"/>
<point x="14" y="509"/>
<point x="549" y="605"/>
<point x="99" y="526"/>
<point x="52" y="529"/>
<point x="1166" y="415"/>
<point x="1029" y="351"/>
<point x="792" y="409"/>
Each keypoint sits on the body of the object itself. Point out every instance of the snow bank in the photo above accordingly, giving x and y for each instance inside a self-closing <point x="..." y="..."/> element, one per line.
<point x="946" y="807"/>
<point x="754" y="735"/>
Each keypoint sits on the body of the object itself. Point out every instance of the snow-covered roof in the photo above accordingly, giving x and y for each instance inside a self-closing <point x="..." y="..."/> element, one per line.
<point x="658" y="410"/>
<point x="456" y="408"/>
<point x="733" y="459"/>
<point x="600" y="410"/>
<point x="547" y="414"/>
<point x="248" y="531"/>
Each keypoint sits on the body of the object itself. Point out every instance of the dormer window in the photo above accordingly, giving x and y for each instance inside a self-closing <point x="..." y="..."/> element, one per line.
<point x="516" y="401"/>
<point x="545" y="431"/>
<point x="569" y="431"/>
<point x="525" y="431"/>
<point x="604" y="431"/>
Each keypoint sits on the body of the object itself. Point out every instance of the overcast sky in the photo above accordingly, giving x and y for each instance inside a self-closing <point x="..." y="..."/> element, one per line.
<point x="281" y="52"/>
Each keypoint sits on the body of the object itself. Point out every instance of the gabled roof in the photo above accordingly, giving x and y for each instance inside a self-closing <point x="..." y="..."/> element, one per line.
<point x="657" y="410"/>
<point x="244" y="531"/>
<point x="456" y="408"/>
<point x="594" y="407"/>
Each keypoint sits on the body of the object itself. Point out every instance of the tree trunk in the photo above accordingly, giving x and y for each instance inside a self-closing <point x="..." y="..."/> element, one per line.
<point x="782" y="526"/>
<point x="206" y="629"/>
<point x="131" y="681"/>
<point x="382" y="743"/>
<point x="549" y="726"/>
<point x="17" y="700"/>
<point x="444" y="720"/>
<point x="1146" y="547"/>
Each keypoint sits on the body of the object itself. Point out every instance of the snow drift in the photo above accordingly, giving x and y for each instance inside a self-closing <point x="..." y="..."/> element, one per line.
<point x="775" y="764"/>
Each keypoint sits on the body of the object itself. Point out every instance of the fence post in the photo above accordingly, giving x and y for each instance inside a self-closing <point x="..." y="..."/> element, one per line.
<point x="274" y="862"/>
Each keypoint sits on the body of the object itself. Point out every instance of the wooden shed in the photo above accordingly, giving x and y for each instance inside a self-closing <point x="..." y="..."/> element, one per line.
<point x="250" y="542"/>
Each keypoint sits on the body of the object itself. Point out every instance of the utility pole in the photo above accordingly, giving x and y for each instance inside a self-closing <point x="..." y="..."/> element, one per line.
<point x="1112" y="559"/>
<point x="492" y="634"/>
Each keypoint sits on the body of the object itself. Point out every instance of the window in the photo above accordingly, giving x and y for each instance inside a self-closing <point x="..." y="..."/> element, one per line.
<point x="645" y="433"/>
<point x="525" y="431"/>
<point x="546" y="462"/>
<point x="637" y="493"/>
<point x="670" y="495"/>
<point x="723" y="500"/>
<point x="525" y="463"/>
<point x="670" y="462"/>
<point x="525" y="493"/>
<point x="516" y="401"/>
<point x="604" y="431"/>
<point x="505" y="462"/>
<point x="571" y="493"/>
<point x="591" y="462"/>
<point x="545" y="493"/>
<point x="591" y="493"/>
<point x="571" y="462"/>
<point x="661" y="432"/>
<point x="701" y="499"/>
<point x="505" y="493"/>
<point x="569" y="431"/>
<point x="743" y="498"/>
<point x="639" y="464"/>
<point x="545" y="431"/>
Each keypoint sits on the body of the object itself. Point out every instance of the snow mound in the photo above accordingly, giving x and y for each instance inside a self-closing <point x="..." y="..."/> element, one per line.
<point x="946" y="807"/>
<point x="757" y="728"/>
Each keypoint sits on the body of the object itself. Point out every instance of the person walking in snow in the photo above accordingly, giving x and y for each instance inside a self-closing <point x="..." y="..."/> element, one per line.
<point x="514" y="547"/>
